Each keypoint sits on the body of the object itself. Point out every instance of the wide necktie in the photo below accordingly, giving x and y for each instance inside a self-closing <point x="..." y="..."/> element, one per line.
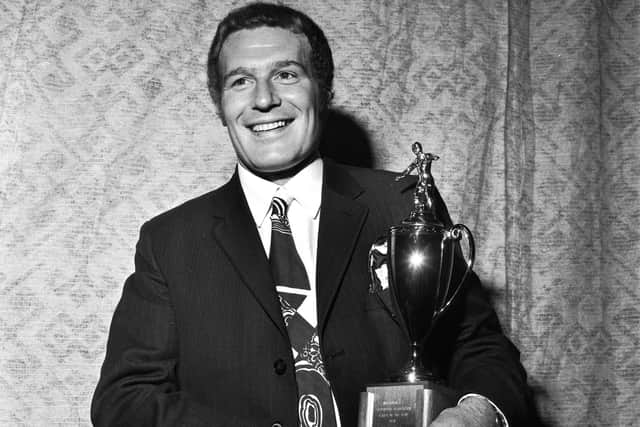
<point x="315" y="404"/>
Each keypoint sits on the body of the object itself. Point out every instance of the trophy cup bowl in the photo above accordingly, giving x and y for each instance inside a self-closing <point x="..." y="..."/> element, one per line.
<point x="420" y="263"/>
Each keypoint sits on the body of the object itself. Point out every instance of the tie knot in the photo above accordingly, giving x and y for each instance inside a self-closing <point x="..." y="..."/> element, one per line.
<point x="279" y="208"/>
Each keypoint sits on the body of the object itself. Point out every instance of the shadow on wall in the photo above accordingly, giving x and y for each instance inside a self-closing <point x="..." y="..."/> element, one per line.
<point x="346" y="141"/>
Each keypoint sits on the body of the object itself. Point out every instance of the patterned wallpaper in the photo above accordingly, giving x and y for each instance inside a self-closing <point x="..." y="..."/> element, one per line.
<point x="533" y="107"/>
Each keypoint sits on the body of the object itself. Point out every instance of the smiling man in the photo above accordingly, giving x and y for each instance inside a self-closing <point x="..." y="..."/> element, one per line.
<point x="249" y="306"/>
<point x="269" y="100"/>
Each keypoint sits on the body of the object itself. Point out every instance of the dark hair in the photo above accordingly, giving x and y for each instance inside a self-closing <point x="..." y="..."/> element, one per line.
<point x="257" y="15"/>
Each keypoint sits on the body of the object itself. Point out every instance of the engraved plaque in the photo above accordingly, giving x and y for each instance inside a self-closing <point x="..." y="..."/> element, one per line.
<point x="404" y="404"/>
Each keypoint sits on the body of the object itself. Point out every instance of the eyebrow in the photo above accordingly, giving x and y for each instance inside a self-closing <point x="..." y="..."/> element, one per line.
<point x="277" y="64"/>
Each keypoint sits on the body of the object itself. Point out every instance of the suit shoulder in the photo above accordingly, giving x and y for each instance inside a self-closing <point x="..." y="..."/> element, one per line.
<point x="193" y="211"/>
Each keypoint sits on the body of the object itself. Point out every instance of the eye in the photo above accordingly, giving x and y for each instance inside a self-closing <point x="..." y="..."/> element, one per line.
<point x="287" y="76"/>
<point x="239" y="82"/>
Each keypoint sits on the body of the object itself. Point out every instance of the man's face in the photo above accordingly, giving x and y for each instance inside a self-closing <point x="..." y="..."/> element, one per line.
<point x="269" y="101"/>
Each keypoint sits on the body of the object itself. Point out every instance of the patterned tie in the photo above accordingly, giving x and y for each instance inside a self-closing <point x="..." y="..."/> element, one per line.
<point x="315" y="405"/>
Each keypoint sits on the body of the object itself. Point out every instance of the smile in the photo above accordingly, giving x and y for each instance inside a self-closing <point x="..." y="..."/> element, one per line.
<point x="264" y="127"/>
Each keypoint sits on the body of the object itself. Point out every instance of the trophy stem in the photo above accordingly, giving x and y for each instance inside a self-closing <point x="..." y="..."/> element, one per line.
<point x="415" y="371"/>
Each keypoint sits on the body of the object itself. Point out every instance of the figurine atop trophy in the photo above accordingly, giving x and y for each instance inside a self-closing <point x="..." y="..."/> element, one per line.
<point x="424" y="195"/>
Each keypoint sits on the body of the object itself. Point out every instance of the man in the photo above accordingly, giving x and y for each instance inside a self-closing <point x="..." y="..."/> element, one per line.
<point x="205" y="333"/>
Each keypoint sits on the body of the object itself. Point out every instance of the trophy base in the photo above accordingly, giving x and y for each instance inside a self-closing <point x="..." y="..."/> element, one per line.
<point x="404" y="404"/>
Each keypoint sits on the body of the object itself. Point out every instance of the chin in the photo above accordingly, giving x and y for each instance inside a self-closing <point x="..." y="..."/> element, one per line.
<point x="277" y="165"/>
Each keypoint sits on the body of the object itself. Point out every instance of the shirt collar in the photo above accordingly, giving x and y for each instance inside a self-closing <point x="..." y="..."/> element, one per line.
<point x="305" y="188"/>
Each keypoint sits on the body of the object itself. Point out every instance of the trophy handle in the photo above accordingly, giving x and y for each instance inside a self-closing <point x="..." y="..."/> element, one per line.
<point x="456" y="233"/>
<point x="377" y="258"/>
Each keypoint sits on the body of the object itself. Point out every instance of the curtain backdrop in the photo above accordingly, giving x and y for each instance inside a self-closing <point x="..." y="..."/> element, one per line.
<point x="533" y="107"/>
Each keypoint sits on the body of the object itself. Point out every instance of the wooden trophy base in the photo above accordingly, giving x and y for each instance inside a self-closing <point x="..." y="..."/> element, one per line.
<point x="404" y="404"/>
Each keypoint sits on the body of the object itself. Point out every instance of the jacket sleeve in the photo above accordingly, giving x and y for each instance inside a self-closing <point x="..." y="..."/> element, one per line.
<point x="138" y="382"/>
<point x="483" y="360"/>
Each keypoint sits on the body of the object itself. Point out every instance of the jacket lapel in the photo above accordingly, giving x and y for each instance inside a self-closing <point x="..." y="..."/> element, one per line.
<point x="341" y="221"/>
<point x="237" y="234"/>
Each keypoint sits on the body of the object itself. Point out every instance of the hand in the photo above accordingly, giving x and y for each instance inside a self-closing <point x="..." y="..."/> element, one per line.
<point x="471" y="412"/>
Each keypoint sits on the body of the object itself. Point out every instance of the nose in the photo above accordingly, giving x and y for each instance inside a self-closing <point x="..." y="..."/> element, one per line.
<point x="266" y="96"/>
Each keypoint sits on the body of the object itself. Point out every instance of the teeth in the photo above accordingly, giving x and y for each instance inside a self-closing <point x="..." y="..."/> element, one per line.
<point x="268" y="126"/>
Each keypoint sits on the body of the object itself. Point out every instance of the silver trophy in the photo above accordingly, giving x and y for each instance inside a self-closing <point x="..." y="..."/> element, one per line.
<point x="419" y="255"/>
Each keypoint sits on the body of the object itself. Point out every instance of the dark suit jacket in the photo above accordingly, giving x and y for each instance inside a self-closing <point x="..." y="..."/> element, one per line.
<point x="198" y="336"/>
